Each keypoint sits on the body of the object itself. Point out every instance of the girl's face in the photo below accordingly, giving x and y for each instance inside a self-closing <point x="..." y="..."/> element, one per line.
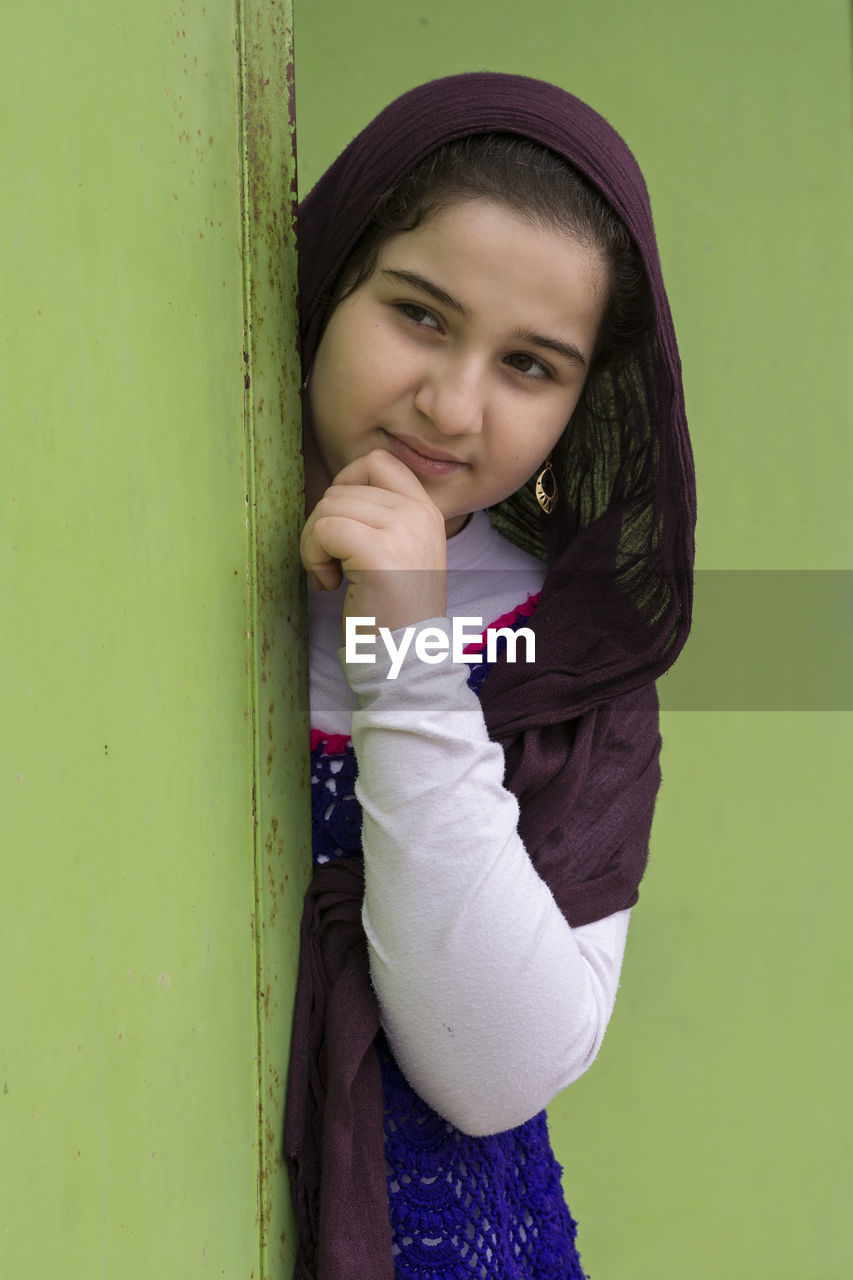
<point x="463" y="354"/>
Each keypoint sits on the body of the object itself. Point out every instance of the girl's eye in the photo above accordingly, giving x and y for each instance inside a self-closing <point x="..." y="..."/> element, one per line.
<point x="530" y="367"/>
<point x="419" y="315"/>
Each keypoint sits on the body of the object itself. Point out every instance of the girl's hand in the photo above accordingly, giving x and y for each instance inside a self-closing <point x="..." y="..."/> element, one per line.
<point x="377" y="525"/>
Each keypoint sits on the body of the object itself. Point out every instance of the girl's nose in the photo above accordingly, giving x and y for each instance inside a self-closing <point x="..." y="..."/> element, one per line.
<point x="452" y="396"/>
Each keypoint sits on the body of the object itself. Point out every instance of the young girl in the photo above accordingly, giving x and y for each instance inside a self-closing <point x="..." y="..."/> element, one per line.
<point x="484" y="327"/>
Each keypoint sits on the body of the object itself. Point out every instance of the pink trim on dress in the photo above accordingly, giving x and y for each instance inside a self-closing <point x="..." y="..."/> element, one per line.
<point x="334" y="744"/>
<point x="505" y="620"/>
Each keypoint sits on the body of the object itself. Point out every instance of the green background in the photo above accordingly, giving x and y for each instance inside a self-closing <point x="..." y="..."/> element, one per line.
<point x="713" y="1136"/>
<point x="152" y="771"/>
<point x="153" y="762"/>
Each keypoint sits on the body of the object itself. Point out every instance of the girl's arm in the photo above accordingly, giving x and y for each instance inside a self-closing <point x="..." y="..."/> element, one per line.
<point x="490" y="1001"/>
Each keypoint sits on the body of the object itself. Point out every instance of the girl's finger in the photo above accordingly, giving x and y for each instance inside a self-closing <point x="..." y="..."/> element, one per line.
<point x="330" y="541"/>
<point x="377" y="508"/>
<point x="315" y="581"/>
<point x="326" y="577"/>
<point x="324" y="570"/>
<point x="381" y="469"/>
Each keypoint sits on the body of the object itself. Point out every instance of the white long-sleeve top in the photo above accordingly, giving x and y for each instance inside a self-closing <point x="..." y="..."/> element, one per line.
<point x="490" y="1001"/>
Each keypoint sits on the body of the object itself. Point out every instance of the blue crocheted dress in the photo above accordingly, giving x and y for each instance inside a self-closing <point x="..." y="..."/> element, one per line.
<point x="460" y="1206"/>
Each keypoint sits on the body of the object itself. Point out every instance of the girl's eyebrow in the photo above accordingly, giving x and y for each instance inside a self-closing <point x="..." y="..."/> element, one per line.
<point x="565" y="349"/>
<point x="426" y="286"/>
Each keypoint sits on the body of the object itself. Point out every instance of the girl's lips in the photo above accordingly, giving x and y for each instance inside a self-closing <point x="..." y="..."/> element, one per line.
<point x="420" y="462"/>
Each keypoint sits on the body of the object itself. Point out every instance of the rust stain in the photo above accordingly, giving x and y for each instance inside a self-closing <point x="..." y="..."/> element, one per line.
<point x="271" y="373"/>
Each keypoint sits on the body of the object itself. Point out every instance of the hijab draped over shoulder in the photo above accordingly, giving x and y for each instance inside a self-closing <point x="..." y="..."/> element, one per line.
<point x="579" y="730"/>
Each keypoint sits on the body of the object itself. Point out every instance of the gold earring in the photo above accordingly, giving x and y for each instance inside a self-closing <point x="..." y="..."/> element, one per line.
<point x="546" y="497"/>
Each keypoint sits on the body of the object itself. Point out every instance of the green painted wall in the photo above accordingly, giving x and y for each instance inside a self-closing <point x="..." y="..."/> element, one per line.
<point x="714" y="1137"/>
<point x="153" y="844"/>
<point x="152" y="765"/>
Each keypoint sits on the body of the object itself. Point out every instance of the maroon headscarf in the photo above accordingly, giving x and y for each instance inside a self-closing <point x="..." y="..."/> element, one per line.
<point x="579" y="732"/>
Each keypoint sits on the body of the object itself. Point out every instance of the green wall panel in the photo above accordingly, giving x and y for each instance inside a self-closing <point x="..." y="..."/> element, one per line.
<point x="713" y="1136"/>
<point x="146" y="938"/>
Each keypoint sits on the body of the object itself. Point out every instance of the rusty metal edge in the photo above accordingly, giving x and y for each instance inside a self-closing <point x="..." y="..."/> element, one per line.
<point x="278" y="665"/>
